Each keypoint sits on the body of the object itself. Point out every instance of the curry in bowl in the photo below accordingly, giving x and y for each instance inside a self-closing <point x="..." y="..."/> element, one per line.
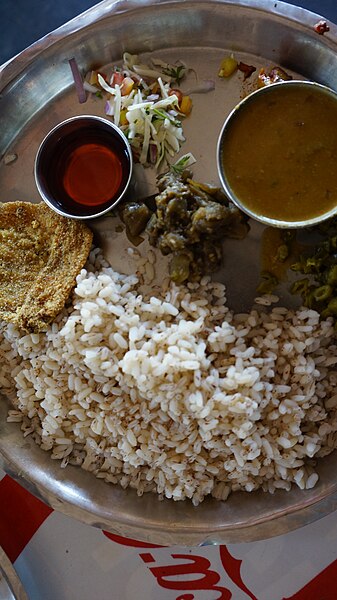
<point x="277" y="154"/>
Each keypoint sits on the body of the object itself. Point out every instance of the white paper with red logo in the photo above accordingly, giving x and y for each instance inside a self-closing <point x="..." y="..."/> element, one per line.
<point x="58" y="558"/>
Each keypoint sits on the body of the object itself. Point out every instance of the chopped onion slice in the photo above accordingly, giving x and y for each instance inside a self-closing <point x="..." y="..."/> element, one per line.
<point x="153" y="97"/>
<point x="109" y="109"/>
<point x="117" y="105"/>
<point x="146" y="141"/>
<point x="105" y="85"/>
<point x="157" y="62"/>
<point x="90" y="88"/>
<point x="144" y="104"/>
<point x="163" y="90"/>
<point x="130" y="59"/>
<point x="173" y="99"/>
<point x="151" y="73"/>
<point x="205" y="86"/>
<point x="82" y="97"/>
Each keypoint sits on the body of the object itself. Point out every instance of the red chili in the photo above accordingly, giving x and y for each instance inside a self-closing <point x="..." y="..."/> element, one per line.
<point x="247" y="70"/>
<point x="321" y="27"/>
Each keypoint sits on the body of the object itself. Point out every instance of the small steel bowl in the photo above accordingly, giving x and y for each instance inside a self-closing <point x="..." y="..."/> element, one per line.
<point x="57" y="154"/>
<point x="260" y="96"/>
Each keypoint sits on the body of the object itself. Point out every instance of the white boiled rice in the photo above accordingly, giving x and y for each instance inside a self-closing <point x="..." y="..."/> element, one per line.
<point x="173" y="393"/>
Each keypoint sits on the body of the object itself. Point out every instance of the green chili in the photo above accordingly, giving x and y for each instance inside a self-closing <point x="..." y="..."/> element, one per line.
<point x="332" y="275"/>
<point x="322" y="293"/>
<point x="268" y="284"/>
<point x="332" y="306"/>
<point x="282" y="253"/>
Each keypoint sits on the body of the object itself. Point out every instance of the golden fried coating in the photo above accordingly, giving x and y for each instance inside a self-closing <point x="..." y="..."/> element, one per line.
<point x="41" y="253"/>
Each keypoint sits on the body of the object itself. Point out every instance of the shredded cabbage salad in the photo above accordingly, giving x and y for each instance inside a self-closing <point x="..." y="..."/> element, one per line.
<point x="143" y="103"/>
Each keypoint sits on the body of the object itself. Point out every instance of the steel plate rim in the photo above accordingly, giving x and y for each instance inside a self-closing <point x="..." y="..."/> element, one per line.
<point x="10" y="69"/>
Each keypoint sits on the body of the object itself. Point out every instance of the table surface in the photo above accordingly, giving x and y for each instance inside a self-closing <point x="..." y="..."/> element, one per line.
<point x="58" y="558"/>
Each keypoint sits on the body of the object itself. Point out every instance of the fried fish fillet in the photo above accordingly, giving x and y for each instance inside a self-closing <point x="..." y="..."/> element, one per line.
<point x="41" y="253"/>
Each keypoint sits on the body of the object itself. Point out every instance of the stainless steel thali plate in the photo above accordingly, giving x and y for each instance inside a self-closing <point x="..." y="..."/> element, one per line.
<point x="36" y="93"/>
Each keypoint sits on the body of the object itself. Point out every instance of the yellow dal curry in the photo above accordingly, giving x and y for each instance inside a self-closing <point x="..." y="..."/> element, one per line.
<point x="279" y="153"/>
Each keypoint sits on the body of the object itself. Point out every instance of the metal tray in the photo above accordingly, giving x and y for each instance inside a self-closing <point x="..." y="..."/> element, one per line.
<point x="37" y="92"/>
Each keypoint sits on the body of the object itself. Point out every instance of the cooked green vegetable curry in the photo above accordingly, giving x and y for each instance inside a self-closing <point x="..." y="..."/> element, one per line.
<point x="189" y="221"/>
<point x="318" y="265"/>
<point x="279" y="153"/>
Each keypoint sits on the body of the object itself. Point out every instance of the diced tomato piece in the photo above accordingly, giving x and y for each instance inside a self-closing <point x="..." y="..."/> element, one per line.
<point x="117" y="78"/>
<point x="177" y="93"/>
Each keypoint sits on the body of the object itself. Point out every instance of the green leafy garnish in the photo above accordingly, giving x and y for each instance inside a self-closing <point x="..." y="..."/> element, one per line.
<point x="182" y="163"/>
<point x="177" y="73"/>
